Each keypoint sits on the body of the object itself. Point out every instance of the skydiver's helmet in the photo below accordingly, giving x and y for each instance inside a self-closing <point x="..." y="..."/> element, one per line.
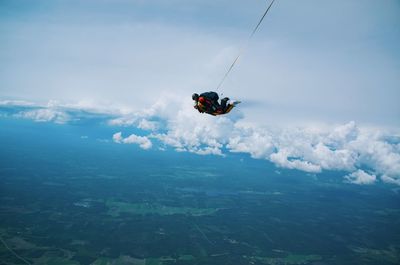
<point x="195" y="96"/>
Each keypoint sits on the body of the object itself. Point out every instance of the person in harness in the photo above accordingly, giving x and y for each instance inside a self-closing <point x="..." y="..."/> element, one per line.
<point x="208" y="103"/>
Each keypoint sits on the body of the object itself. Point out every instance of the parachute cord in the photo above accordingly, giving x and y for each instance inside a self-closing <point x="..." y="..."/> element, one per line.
<point x="244" y="47"/>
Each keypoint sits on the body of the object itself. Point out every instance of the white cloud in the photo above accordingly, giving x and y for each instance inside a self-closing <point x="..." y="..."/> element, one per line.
<point x="392" y="180"/>
<point x="123" y="121"/>
<point x="345" y="147"/>
<point x="281" y="159"/>
<point x="148" y="125"/>
<point x="142" y="141"/>
<point x="194" y="132"/>
<point x="117" y="137"/>
<point x="249" y="139"/>
<point x="63" y="112"/>
<point x="19" y="103"/>
<point x="312" y="150"/>
<point x="45" y="115"/>
<point x="360" y="177"/>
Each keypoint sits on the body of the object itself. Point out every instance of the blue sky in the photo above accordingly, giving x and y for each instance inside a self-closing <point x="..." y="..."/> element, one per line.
<point x="321" y="60"/>
<point x="320" y="79"/>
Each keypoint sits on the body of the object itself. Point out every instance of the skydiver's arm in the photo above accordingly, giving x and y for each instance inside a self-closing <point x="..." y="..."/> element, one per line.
<point x="195" y="106"/>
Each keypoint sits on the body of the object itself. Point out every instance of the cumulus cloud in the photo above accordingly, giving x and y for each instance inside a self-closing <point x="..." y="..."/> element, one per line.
<point x="250" y="139"/>
<point x="123" y="121"/>
<point x="196" y="133"/>
<point x="45" y="115"/>
<point x="313" y="150"/>
<point x="172" y="122"/>
<point x="148" y="125"/>
<point x="142" y="141"/>
<point x="360" y="177"/>
<point x="392" y="180"/>
<point x="345" y="147"/>
<point x="281" y="158"/>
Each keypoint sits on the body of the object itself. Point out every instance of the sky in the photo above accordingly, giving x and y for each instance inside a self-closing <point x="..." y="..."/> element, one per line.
<point x="319" y="82"/>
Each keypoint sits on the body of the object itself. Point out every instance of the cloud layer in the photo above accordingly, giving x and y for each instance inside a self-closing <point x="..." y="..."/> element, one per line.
<point x="367" y="154"/>
<point x="312" y="149"/>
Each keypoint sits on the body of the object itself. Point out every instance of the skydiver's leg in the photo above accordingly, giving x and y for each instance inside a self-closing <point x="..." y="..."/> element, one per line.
<point x="223" y="103"/>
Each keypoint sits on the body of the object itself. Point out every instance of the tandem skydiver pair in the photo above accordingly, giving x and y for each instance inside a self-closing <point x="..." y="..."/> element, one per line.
<point x="207" y="102"/>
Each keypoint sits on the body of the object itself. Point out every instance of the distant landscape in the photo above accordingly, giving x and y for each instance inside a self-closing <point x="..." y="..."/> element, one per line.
<point x="74" y="200"/>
